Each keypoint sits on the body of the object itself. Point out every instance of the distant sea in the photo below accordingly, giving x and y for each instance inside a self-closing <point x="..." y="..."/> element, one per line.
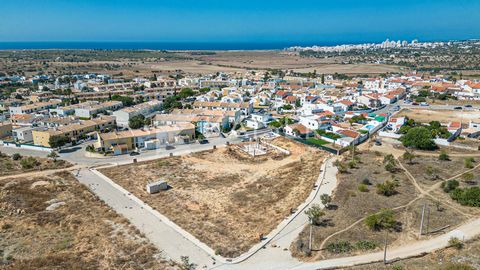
<point x="154" y="45"/>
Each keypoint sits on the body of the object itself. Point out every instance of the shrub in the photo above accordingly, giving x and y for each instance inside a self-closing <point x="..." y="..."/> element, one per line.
<point x="16" y="156"/>
<point x="468" y="177"/>
<point x="363" y="188"/>
<point x="450" y="185"/>
<point x="29" y="163"/>
<point x="455" y="242"/>
<point x="366" y="181"/>
<point x="469" y="162"/>
<point x="458" y="266"/>
<point x="385" y="219"/>
<point x="443" y="156"/>
<point x="365" y="245"/>
<point x="388" y="188"/>
<point x="467" y="196"/>
<point x="339" y="247"/>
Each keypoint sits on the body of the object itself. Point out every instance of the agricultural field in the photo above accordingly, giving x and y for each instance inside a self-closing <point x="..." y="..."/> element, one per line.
<point x="225" y="197"/>
<point x="53" y="222"/>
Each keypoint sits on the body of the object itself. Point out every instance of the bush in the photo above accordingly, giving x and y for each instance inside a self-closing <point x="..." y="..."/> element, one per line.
<point x="365" y="245"/>
<point x="314" y="214"/>
<point x="469" y="162"/>
<point x="29" y="163"/>
<point x="467" y="196"/>
<point x="363" y="188"/>
<point x="450" y="185"/>
<point x="366" y="181"/>
<point x="388" y="188"/>
<point x="455" y="242"/>
<point x="385" y="219"/>
<point x="443" y="156"/>
<point x="339" y="247"/>
<point x="458" y="266"/>
<point x="16" y="156"/>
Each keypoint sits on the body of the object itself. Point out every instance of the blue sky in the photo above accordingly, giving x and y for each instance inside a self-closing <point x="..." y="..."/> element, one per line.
<point x="238" y="21"/>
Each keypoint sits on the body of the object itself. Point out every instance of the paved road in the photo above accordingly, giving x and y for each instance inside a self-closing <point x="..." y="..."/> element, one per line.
<point x="162" y="236"/>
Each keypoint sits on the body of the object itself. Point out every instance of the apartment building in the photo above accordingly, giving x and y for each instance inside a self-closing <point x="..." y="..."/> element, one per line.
<point x="35" y="107"/>
<point x="245" y="107"/>
<point x="209" y="124"/>
<point x="74" y="132"/>
<point x="146" y="109"/>
<point x="91" y="110"/>
<point x="122" y="142"/>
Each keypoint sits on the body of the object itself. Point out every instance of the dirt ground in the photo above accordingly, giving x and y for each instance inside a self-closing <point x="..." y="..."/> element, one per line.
<point x="443" y="116"/>
<point x="80" y="233"/>
<point x="224" y="197"/>
<point x="429" y="170"/>
<point x="449" y="258"/>
<point x="8" y="166"/>
<point x="350" y="205"/>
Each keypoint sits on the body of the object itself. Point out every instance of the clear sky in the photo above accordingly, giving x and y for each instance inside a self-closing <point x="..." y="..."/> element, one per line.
<point x="238" y="21"/>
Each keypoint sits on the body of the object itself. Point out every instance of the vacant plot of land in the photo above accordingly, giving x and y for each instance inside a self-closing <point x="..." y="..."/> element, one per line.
<point x="445" y="259"/>
<point x="225" y="197"/>
<point x="55" y="223"/>
<point x="443" y="116"/>
<point x="351" y="203"/>
<point x="429" y="170"/>
<point x="9" y="166"/>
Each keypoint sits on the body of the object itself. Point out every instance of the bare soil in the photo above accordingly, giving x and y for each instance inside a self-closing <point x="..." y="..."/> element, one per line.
<point x="224" y="197"/>
<point x="81" y="233"/>
<point x="443" y="116"/>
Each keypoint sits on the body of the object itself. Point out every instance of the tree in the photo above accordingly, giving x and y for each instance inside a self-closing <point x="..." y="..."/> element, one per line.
<point x="314" y="214"/>
<point x="387" y="188"/>
<point x="127" y="101"/>
<point x="16" y="156"/>
<point x="53" y="155"/>
<point x="58" y="141"/>
<point x="420" y="138"/>
<point x="408" y="156"/>
<point x="185" y="93"/>
<point x="136" y="121"/>
<point x="389" y="162"/>
<point x="385" y="219"/>
<point x="443" y="156"/>
<point x="326" y="200"/>
<point x="172" y="102"/>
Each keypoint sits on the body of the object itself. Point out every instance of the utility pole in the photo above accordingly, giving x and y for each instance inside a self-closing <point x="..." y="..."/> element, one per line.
<point x="385" y="248"/>
<point x="310" y="238"/>
<point x="428" y="219"/>
<point x="421" y="222"/>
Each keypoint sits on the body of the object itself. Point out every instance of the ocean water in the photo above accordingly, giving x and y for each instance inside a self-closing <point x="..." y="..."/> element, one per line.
<point x="155" y="45"/>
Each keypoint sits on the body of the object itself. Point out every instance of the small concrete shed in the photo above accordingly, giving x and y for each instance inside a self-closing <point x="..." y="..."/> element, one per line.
<point x="156" y="187"/>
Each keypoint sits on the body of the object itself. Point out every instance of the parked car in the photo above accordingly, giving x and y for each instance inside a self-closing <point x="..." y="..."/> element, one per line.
<point x="415" y="104"/>
<point x="408" y="101"/>
<point x="134" y="153"/>
<point x="457" y="108"/>
<point x="424" y="104"/>
<point x="169" y="147"/>
<point x="468" y="106"/>
<point x="204" y="141"/>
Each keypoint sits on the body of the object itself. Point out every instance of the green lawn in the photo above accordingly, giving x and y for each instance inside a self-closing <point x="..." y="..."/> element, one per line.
<point x="317" y="141"/>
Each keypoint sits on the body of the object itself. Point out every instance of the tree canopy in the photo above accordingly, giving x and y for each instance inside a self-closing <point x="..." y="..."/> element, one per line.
<point x="420" y="138"/>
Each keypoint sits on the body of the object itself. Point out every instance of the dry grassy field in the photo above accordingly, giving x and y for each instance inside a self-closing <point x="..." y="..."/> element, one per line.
<point x="351" y="204"/>
<point x="443" y="116"/>
<point x="224" y="197"/>
<point x="56" y="223"/>
<point x="9" y="166"/>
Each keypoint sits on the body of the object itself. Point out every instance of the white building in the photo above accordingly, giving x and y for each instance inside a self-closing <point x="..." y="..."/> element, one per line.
<point x="146" y="109"/>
